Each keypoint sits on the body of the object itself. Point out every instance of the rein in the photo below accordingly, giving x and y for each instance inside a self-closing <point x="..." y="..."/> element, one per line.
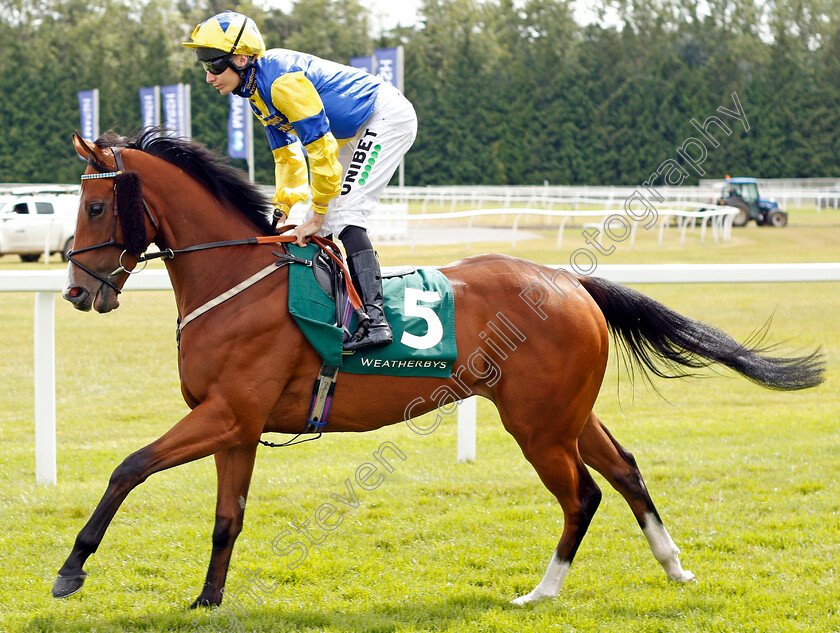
<point x="328" y="246"/>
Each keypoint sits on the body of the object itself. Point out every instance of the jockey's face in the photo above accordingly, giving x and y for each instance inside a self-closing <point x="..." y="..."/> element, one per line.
<point x="228" y="81"/>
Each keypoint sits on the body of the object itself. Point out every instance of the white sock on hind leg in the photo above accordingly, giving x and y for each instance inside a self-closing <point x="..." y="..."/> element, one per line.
<point x="550" y="585"/>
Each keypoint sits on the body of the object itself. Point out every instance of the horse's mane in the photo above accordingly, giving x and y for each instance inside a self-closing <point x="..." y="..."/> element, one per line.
<point x="225" y="181"/>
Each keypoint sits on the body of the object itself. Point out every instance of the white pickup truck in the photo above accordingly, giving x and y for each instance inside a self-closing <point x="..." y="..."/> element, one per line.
<point x="32" y="224"/>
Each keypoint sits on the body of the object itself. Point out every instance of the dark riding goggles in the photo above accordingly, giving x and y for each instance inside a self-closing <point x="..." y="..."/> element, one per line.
<point x="217" y="65"/>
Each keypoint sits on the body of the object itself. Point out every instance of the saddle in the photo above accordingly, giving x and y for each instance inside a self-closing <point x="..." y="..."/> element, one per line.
<point x="331" y="279"/>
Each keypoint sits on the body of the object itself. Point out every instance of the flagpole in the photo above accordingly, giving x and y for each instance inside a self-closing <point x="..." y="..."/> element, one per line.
<point x="187" y="101"/>
<point x="95" y="113"/>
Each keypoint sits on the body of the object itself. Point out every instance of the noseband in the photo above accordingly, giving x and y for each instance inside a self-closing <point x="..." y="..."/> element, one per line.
<point x="104" y="173"/>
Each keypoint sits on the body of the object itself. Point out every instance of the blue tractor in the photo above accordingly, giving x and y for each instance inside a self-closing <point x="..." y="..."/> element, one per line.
<point x="742" y="193"/>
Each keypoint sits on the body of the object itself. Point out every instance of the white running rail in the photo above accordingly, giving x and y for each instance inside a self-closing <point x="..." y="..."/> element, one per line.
<point x="46" y="283"/>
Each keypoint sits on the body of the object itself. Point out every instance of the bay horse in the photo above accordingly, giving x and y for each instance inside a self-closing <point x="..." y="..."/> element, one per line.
<point x="246" y="369"/>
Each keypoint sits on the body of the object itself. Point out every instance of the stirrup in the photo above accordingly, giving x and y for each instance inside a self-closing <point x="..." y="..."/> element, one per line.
<point x="368" y="339"/>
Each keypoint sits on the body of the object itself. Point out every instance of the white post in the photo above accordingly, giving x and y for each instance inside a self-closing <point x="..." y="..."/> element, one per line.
<point x="45" y="454"/>
<point x="466" y="430"/>
<point x="249" y="142"/>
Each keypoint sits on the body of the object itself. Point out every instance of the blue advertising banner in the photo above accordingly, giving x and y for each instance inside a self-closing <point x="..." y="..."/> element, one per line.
<point x="389" y="65"/>
<point x="365" y="63"/>
<point x="89" y="110"/>
<point x="176" y="109"/>
<point x="150" y="106"/>
<point x="238" y="137"/>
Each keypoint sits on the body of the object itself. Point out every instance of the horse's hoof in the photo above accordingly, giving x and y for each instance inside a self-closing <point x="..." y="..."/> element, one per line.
<point x="686" y="577"/>
<point x="203" y="602"/>
<point x="68" y="585"/>
<point x="531" y="597"/>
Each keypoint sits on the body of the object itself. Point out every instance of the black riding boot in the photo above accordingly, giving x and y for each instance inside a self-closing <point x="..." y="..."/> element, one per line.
<point x="364" y="270"/>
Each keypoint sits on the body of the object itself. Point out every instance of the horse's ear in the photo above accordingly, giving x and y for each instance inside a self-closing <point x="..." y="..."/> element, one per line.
<point x="83" y="148"/>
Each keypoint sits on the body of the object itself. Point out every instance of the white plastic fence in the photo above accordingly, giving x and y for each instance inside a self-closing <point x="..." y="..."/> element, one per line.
<point x="824" y="194"/>
<point x="683" y="215"/>
<point x="45" y="283"/>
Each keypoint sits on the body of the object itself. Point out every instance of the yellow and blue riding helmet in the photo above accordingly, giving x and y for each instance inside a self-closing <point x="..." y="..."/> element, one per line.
<point x="225" y="34"/>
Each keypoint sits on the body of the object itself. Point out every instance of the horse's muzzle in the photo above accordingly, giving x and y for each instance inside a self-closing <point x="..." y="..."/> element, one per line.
<point x="103" y="298"/>
<point x="80" y="297"/>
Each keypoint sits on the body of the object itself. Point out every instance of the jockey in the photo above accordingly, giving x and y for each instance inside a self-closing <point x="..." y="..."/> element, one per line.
<point x="354" y="127"/>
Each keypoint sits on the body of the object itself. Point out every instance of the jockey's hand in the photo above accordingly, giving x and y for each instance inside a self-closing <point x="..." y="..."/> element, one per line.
<point x="280" y="215"/>
<point x="310" y="227"/>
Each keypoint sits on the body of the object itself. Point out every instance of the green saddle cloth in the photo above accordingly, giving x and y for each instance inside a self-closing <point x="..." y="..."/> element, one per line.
<point x="420" y="308"/>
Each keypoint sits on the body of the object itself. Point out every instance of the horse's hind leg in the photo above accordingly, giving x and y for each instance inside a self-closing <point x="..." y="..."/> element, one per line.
<point x="563" y="472"/>
<point x="600" y="450"/>
<point x="234" y="467"/>
<point x="549" y="443"/>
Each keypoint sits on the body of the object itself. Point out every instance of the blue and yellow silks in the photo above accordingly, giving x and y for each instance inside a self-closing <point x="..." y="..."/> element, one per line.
<point x="308" y="101"/>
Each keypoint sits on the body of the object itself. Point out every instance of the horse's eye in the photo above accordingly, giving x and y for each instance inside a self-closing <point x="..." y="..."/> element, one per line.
<point x="95" y="208"/>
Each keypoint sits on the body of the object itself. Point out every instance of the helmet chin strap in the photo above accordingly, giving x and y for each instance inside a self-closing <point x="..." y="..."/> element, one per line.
<point x="246" y="80"/>
<point x="243" y="71"/>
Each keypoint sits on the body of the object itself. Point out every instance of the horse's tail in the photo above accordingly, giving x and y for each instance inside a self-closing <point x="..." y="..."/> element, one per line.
<point x="663" y="342"/>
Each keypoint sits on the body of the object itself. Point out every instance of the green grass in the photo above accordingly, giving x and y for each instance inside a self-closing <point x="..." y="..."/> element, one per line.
<point x="747" y="481"/>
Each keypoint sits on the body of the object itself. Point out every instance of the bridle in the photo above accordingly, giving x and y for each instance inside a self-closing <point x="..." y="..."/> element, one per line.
<point x="329" y="247"/>
<point x="103" y="172"/>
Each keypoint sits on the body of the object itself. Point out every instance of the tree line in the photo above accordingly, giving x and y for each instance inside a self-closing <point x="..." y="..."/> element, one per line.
<point x="506" y="92"/>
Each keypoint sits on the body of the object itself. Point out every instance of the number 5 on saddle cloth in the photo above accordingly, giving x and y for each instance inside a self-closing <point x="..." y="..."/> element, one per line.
<point x="419" y="306"/>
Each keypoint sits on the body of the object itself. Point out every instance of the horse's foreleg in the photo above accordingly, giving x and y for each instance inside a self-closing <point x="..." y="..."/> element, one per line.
<point x="602" y="452"/>
<point x="233" y="468"/>
<point x="205" y="430"/>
